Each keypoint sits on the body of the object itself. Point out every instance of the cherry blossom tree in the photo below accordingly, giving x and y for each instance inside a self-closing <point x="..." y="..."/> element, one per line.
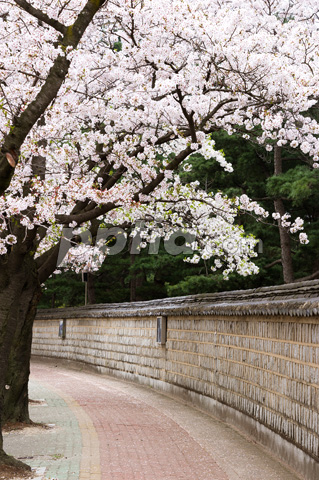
<point x="94" y="135"/>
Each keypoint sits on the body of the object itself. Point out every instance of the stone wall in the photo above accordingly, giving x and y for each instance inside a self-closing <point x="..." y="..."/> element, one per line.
<point x="249" y="357"/>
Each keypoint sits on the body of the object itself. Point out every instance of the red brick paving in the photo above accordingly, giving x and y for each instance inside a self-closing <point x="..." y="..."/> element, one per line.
<point x="137" y="441"/>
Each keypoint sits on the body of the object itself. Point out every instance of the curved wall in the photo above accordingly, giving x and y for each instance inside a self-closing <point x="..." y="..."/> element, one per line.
<point x="249" y="357"/>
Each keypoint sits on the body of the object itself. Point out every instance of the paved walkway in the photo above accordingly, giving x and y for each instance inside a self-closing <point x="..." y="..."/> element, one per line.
<point x="102" y="428"/>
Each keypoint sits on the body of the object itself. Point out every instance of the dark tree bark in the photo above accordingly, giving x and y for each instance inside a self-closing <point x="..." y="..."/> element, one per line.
<point x="285" y="242"/>
<point x="18" y="281"/>
<point x="91" y="289"/>
<point x="14" y="381"/>
<point x="137" y="280"/>
<point x="132" y="281"/>
<point x="16" y="399"/>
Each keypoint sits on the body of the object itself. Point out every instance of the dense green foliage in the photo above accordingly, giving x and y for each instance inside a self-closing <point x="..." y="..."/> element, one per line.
<point x="126" y="277"/>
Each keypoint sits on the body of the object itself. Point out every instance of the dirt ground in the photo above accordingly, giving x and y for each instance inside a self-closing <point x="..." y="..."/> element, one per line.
<point x="13" y="473"/>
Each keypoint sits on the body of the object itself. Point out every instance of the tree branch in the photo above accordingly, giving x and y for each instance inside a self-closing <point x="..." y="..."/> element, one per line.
<point x="309" y="277"/>
<point x="23" y="124"/>
<point x="96" y="211"/>
<point x="272" y="264"/>
<point x="47" y="263"/>
<point x="86" y="216"/>
<point x="160" y="177"/>
<point x="43" y="17"/>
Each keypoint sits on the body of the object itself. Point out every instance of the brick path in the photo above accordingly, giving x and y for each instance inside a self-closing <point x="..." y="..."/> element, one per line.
<point x="107" y="429"/>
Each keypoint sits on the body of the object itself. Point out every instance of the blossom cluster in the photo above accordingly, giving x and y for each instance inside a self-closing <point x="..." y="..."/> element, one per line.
<point x="125" y="119"/>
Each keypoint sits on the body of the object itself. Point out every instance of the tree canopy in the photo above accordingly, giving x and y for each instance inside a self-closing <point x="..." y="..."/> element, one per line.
<point x="92" y="131"/>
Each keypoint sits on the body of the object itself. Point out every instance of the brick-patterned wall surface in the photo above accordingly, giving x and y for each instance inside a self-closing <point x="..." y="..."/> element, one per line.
<point x="255" y="351"/>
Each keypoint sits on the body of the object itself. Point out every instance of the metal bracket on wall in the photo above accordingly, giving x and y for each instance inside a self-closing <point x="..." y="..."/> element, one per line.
<point x="62" y="329"/>
<point x="161" y="330"/>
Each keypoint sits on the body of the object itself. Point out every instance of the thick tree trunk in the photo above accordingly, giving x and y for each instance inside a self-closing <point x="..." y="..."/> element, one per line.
<point x="285" y="243"/>
<point x="18" y="276"/>
<point x="132" y="281"/>
<point x="16" y="400"/>
<point x="91" y="289"/>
